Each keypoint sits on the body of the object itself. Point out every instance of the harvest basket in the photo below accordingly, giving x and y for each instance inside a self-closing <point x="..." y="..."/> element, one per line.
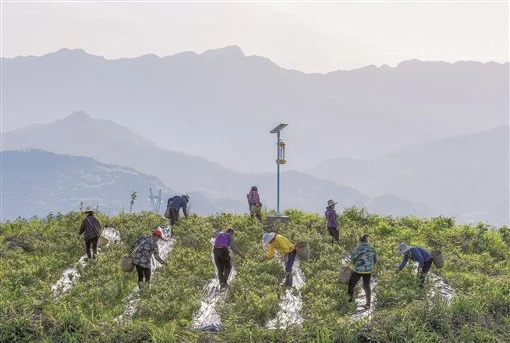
<point x="127" y="264"/>
<point x="101" y="242"/>
<point x="437" y="258"/>
<point x="345" y="275"/>
<point x="303" y="251"/>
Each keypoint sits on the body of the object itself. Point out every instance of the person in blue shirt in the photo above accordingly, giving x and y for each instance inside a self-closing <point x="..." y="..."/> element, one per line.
<point x="175" y="204"/>
<point x="417" y="254"/>
<point x="363" y="258"/>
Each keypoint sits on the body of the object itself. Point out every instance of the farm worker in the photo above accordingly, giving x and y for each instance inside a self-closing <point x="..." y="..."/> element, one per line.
<point x="223" y="242"/>
<point x="275" y="242"/>
<point x="363" y="258"/>
<point x="175" y="204"/>
<point x="417" y="254"/>
<point x="144" y="247"/>
<point x="254" y="203"/>
<point x="90" y="228"/>
<point x="331" y="221"/>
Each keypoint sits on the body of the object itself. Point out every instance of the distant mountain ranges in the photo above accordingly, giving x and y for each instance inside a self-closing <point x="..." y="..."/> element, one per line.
<point x="37" y="182"/>
<point x="465" y="176"/>
<point x="221" y="104"/>
<point x="222" y="189"/>
<point x="219" y="188"/>
<point x="424" y="138"/>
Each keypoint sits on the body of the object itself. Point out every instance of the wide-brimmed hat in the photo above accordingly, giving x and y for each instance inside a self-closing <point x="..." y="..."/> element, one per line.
<point x="331" y="203"/>
<point x="88" y="209"/>
<point x="402" y="248"/>
<point x="267" y="237"/>
<point x="158" y="232"/>
<point x="186" y="197"/>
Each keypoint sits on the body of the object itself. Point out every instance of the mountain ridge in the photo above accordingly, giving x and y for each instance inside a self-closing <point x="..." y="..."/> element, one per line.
<point x="235" y="50"/>
<point x="457" y="175"/>
<point x="189" y="173"/>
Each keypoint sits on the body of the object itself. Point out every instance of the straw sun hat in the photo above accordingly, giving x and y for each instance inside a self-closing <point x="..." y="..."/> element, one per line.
<point x="267" y="237"/>
<point x="403" y="248"/>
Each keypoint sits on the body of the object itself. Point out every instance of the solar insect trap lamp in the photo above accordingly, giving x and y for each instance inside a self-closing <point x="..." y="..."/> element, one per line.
<point x="280" y="159"/>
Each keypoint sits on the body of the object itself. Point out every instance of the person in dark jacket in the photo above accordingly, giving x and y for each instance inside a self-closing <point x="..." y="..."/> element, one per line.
<point x="363" y="258"/>
<point x="175" y="204"/>
<point x="254" y="203"/>
<point x="91" y="230"/>
<point x="223" y="243"/>
<point x="143" y="248"/>
<point x="417" y="254"/>
<point x="332" y="222"/>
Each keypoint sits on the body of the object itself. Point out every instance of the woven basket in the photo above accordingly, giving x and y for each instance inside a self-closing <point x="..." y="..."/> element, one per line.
<point x="345" y="275"/>
<point x="303" y="251"/>
<point x="437" y="258"/>
<point x="101" y="242"/>
<point x="127" y="264"/>
<point x="167" y="213"/>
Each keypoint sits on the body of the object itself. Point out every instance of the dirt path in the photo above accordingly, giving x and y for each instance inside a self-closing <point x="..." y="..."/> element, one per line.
<point x="165" y="247"/>
<point x="441" y="288"/>
<point x="207" y="318"/>
<point x="70" y="275"/>
<point x="291" y="302"/>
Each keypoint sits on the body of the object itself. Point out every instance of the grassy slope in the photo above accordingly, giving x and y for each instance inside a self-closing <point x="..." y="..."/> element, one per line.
<point x="33" y="254"/>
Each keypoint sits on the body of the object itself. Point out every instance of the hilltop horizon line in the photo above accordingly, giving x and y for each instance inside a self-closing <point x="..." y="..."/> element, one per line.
<point x="236" y="50"/>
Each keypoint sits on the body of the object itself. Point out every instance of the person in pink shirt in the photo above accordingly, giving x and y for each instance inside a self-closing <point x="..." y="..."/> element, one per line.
<point x="254" y="203"/>
<point x="332" y="222"/>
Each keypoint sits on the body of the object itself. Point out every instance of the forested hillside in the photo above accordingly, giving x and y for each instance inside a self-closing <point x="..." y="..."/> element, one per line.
<point x="35" y="252"/>
<point x="37" y="182"/>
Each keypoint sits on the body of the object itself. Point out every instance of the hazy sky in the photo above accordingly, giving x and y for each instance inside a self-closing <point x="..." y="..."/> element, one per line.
<point x="311" y="37"/>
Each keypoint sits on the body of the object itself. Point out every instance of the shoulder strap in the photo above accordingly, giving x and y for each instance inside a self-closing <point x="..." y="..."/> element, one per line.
<point x="96" y="229"/>
<point x="132" y="252"/>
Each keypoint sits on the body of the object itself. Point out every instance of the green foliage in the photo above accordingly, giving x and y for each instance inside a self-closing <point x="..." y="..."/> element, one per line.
<point x="132" y="201"/>
<point x="34" y="253"/>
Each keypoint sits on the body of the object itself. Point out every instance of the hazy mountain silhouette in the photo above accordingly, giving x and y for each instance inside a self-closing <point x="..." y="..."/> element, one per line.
<point x="221" y="104"/>
<point x="37" y="182"/>
<point x="79" y="134"/>
<point x="459" y="175"/>
<point x="224" y="189"/>
<point x="465" y="176"/>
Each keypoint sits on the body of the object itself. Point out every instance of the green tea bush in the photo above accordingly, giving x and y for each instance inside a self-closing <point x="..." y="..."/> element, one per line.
<point x="34" y="252"/>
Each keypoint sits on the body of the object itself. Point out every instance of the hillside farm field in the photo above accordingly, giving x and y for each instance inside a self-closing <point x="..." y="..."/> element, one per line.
<point x="35" y="252"/>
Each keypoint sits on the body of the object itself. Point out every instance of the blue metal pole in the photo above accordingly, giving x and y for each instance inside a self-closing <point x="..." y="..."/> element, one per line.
<point x="278" y="173"/>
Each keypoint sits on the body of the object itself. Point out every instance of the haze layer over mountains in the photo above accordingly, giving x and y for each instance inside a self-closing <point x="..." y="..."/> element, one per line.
<point x="423" y="138"/>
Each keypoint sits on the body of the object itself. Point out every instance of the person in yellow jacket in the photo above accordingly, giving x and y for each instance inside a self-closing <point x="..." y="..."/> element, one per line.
<point x="285" y="248"/>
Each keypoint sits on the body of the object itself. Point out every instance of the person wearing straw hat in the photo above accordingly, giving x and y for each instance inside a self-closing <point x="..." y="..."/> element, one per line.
<point x="143" y="248"/>
<point x="363" y="258"/>
<point x="91" y="230"/>
<point x="332" y="222"/>
<point x="417" y="254"/>
<point x="284" y="247"/>
<point x="175" y="204"/>
<point x="223" y="243"/>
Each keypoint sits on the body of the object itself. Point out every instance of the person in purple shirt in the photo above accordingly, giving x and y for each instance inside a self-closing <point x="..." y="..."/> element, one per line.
<point x="175" y="204"/>
<point x="417" y="254"/>
<point x="331" y="222"/>
<point x="223" y="243"/>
